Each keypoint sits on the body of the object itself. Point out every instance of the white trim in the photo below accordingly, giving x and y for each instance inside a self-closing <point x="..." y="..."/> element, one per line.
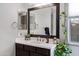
<point x="73" y="17"/>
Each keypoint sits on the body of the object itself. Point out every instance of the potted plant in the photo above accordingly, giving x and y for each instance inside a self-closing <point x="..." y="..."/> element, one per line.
<point x="62" y="49"/>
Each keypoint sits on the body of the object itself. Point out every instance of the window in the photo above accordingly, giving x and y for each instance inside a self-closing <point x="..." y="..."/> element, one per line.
<point x="73" y="12"/>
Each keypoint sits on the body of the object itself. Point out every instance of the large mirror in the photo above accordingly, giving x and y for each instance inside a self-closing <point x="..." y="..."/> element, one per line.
<point x="44" y="21"/>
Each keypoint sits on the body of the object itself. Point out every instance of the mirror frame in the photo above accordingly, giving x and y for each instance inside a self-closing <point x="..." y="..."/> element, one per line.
<point x="57" y="20"/>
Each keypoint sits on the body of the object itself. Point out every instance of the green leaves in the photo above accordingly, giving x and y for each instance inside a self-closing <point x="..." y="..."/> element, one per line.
<point x="63" y="16"/>
<point x="62" y="49"/>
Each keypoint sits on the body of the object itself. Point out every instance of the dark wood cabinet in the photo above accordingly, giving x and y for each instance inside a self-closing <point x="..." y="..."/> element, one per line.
<point x="26" y="50"/>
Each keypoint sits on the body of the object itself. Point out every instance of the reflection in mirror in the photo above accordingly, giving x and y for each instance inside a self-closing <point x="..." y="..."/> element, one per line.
<point x="43" y="21"/>
<point x="22" y="18"/>
<point x="32" y="22"/>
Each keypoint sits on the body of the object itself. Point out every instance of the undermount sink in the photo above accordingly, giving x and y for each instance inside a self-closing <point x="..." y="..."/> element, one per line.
<point x="37" y="42"/>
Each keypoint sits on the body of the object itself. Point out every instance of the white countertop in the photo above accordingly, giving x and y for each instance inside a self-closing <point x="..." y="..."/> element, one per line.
<point x="36" y="44"/>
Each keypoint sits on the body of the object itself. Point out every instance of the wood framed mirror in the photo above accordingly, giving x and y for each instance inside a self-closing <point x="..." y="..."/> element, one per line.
<point x="43" y="21"/>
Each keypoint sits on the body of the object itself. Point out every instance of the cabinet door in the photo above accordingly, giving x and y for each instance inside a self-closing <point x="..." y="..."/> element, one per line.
<point x="43" y="51"/>
<point x="30" y="50"/>
<point x="33" y="53"/>
<point x="26" y="53"/>
<point x="25" y="50"/>
<point x="19" y="49"/>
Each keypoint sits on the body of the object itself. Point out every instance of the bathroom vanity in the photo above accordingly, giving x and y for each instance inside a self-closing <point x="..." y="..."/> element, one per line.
<point x="33" y="48"/>
<point x="27" y="50"/>
<point x="43" y="22"/>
